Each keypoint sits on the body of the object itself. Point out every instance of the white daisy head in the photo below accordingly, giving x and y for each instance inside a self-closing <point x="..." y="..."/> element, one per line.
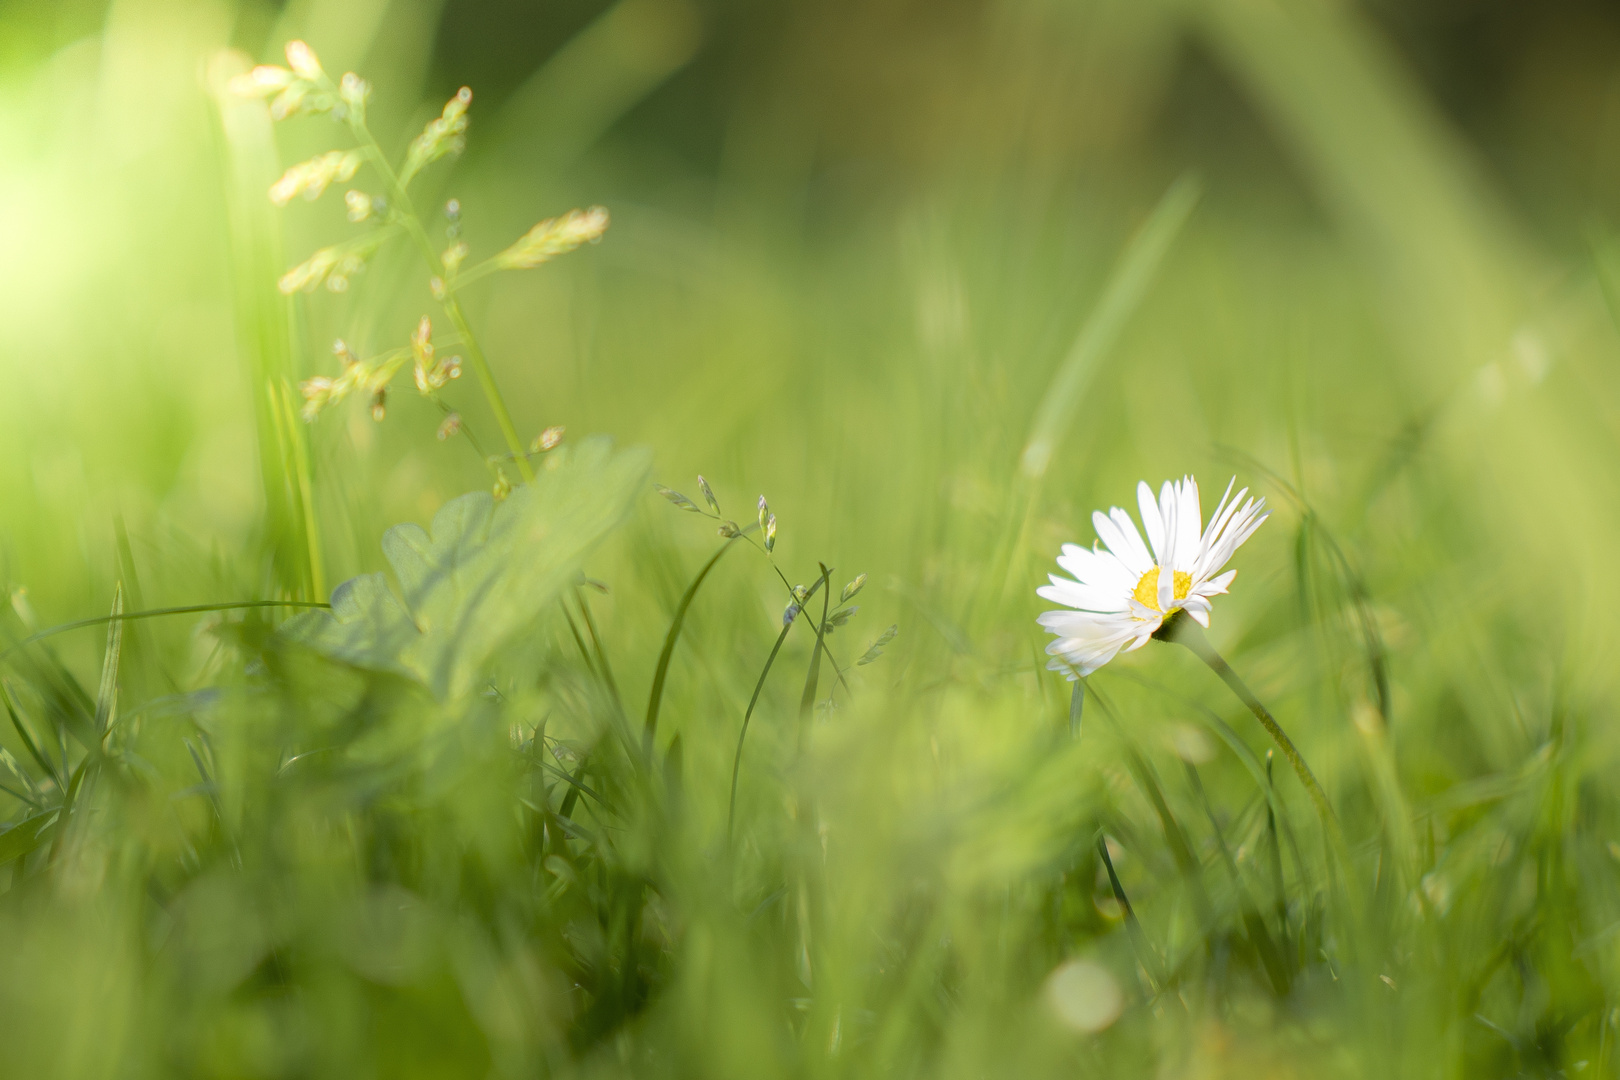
<point x="1120" y="595"/>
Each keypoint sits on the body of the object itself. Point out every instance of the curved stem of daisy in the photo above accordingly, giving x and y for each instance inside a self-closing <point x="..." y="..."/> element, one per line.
<point x="1184" y="631"/>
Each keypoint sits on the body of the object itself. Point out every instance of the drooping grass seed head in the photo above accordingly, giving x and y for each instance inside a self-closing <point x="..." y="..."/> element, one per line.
<point x="547" y="439"/>
<point x="450" y="426"/>
<point x="503" y="485"/>
<point x="876" y="649"/>
<point x="841" y="616"/>
<point x="770" y="533"/>
<point x="852" y="589"/>
<point x="678" y="499"/>
<point x="310" y="178"/>
<point x="764" y="511"/>
<point x="801" y="594"/>
<point x="790" y="614"/>
<point x="302" y="59"/>
<point x="361" y="207"/>
<point x="554" y="237"/>
<point x="331" y="266"/>
<point x="262" y="81"/>
<point x="1122" y="595"/>
<point x="729" y="530"/>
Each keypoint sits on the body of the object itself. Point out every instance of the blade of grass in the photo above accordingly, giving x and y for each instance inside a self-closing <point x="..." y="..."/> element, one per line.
<point x="1271" y="957"/>
<point x="35" y="750"/>
<point x="655" y="699"/>
<point x="263" y="318"/>
<point x="107" y="693"/>
<point x="1127" y="284"/>
<point x="748" y="714"/>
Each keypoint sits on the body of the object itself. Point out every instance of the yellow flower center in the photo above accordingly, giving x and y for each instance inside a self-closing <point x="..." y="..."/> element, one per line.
<point x="1147" y="590"/>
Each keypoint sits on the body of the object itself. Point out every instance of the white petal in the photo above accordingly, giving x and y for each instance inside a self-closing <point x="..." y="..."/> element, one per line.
<point x="1126" y="545"/>
<point x="1215" y="586"/>
<point x="1170" y="508"/>
<point x="1189" y="522"/>
<point x="1152" y="520"/>
<point x="1081" y="596"/>
<point x="1101" y="569"/>
<point x="1220" y="507"/>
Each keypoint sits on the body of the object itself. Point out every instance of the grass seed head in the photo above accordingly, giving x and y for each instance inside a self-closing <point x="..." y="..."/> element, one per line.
<point x="678" y="499"/>
<point x="262" y="81"/>
<point x="876" y="649"/>
<point x="553" y="237"/>
<point x="852" y="589"/>
<point x="317" y="395"/>
<point x="332" y="267"/>
<point x="302" y="59"/>
<point x="451" y="425"/>
<point x="770" y="533"/>
<point x="790" y="614"/>
<point x="310" y="178"/>
<point x="708" y="494"/>
<point x="547" y="439"/>
<point x="444" y="135"/>
<point x="354" y="92"/>
<point x="503" y="486"/>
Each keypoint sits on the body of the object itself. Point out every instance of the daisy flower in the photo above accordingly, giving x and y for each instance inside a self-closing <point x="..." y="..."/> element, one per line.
<point x="1121" y="596"/>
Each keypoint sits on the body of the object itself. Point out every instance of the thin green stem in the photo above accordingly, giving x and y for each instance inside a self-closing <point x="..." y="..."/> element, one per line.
<point x="1184" y="631"/>
<point x="190" y="609"/>
<point x="807" y="702"/>
<point x="1144" y="951"/>
<point x="486" y="379"/>
<point x="408" y="216"/>
<point x="736" y="761"/>
<point x="655" y="698"/>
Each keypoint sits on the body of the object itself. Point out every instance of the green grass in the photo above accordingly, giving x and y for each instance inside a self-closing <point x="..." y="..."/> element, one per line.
<point x="496" y="815"/>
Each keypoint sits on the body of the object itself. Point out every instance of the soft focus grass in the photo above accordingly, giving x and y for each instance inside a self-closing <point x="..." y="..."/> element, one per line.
<point x="851" y="245"/>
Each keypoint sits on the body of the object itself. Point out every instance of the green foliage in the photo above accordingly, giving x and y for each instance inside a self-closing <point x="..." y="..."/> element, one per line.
<point x="554" y="789"/>
<point x="483" y="573"/>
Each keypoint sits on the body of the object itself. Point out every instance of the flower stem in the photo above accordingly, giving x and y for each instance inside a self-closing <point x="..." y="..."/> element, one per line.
<point x="413" y="225"/>
<point x="486" y="379"/>
<point x="1184" y="631"/>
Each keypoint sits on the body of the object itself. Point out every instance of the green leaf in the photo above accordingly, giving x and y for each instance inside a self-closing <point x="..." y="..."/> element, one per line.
<point x="24" y="836"/>
<point x="484" y="574"/>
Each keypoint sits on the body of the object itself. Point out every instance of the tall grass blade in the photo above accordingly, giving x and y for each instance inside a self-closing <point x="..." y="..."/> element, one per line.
<point x="1128" y="283"/>
<point x="107" y="692"/>
<point x="263" y="317"/>
<point x="655" y="698"/>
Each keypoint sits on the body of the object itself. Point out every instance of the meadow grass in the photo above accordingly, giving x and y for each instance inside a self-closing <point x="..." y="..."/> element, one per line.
<point x="574" y="780"/>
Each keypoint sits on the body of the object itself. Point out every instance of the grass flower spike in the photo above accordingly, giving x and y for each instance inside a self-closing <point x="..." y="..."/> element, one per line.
<point x="1121" y="596"/>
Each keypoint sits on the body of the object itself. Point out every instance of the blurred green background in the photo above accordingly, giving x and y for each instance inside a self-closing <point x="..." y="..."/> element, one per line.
<point x="852" y="243"/>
